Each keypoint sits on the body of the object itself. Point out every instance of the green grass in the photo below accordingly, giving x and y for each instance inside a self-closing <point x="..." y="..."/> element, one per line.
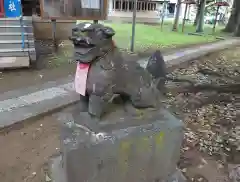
<point x="208" y="30"/>
<point x="151" y="36"/>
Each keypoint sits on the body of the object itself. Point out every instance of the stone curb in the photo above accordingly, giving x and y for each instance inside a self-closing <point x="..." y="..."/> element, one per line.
<point x="15" y="117"/>
<point x="184" y="61"/>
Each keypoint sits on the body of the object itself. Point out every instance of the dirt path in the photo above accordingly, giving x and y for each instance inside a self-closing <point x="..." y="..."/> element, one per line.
<point x="24" y="152"/>
<point x="22" y="78"/>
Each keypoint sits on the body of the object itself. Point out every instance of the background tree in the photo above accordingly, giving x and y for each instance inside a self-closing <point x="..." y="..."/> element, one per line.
<point x="176" y="20"/>
<point x="200" y="23"/>
<point x="198" y="4"/>
<point x="233" y="25"/>
<point x="237" y="18"/>
<point x="232" y="21"/>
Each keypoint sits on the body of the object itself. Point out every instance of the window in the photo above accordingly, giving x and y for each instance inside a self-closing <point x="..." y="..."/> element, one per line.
<point x="123" y="5"/>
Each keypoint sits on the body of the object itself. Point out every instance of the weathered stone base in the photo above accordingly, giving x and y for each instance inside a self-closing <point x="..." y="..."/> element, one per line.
<point x="127" y="145"/>
<point x="57" y="174"/>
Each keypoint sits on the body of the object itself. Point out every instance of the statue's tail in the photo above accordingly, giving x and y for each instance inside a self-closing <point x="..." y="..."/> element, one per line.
<point x="156" y="65"/>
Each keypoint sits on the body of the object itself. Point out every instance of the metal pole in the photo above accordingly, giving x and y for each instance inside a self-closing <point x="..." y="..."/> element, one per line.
<point x="133" y="25"/>
<point x="163" y="12"/>
<point x="54" y="30"/>
<point x="215" y="22"/>
<point x="22" y="28"/>
<point x="184" y="18"/>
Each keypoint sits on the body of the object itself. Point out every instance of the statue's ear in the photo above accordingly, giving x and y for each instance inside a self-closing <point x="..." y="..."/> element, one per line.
<point x="108" y="31"/>
<point x="83" y="26"/>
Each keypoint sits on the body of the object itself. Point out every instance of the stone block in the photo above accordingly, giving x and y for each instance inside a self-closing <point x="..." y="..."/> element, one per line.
<point x="127" y="144"/>
<point x="14" y="62"/>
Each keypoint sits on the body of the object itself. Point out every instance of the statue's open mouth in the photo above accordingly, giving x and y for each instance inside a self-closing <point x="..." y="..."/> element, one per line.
<point x="91" y="41"/>
<point x="83" y="42"/>
<point x="85" y="55"/>
<point x="84" y="50"/>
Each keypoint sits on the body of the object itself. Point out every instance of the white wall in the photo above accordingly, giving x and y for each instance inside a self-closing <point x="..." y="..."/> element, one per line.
<point x="173" y="1"/>
<point x="110" y="6"/>
<point x="190" y="11"/>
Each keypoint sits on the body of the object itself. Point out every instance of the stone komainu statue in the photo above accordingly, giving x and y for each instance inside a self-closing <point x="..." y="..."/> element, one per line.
<point x="128" y="144"/>
<point x="110" y="75"/>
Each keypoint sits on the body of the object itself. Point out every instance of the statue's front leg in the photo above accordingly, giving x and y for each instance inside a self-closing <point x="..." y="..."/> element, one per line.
<point x="96" y="105"/>
<point x="161" y="85"/>
<point x="99" y="104"/>
<point x="81" y="106"/>
<point x="83" y="103"/>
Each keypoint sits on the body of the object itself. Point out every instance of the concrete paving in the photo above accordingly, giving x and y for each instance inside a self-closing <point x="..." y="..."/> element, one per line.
<point x="28" y="103"/>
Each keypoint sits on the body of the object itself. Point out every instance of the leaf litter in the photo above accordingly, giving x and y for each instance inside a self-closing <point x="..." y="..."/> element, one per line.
<point x="212" y="112"/>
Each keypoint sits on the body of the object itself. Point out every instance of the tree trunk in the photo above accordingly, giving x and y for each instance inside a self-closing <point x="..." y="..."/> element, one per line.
<point x="237" y="29"/>
<point x="232" y="21"/>
<point x="201" y="17"/>
<point x="197" y="14"/>
<point x="176" y="20"/>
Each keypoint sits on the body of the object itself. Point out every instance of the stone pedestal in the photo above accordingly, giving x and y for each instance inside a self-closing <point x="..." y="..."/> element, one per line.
<point x="127" y="145"/>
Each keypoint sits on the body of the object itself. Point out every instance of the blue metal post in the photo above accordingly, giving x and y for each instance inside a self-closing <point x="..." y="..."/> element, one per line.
<point x="23" y="30"/>
<point x="133" y="25"/>
<point x="165" y="3"/>
<point x="22" y="26"/>
<point x="54" y="30"/>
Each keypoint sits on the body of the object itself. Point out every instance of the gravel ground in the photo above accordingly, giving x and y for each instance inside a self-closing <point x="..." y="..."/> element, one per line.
<point x="207" y="99"/>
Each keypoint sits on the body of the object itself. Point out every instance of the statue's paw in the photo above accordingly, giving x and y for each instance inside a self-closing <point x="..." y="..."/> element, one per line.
<point x="145" y="98"/>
